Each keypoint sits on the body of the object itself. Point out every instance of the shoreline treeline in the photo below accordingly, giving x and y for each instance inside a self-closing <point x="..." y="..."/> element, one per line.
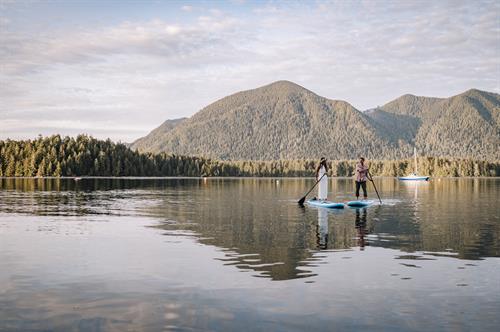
<point x="87" y="156"/>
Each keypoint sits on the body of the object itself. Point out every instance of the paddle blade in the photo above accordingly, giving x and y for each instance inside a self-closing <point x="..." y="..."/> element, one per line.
<point x="302" y="200"/>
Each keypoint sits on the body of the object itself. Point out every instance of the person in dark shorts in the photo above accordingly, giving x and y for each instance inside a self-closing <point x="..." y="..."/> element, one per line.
<point x="361" y="177"/>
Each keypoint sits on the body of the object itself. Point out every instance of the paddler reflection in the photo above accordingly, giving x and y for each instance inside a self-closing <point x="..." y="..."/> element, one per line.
<point x="360" y="224"/>
<point x="322" y="229"/>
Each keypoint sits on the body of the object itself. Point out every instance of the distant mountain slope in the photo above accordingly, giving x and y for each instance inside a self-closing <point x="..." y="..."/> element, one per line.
<point x="394" y="128"/>
<point x="410" y="105"/>
<point x="278" y="121"/>
<point x="283" y="120"/>
<point x="154" y="138"/>
<point x="465" y="126"/>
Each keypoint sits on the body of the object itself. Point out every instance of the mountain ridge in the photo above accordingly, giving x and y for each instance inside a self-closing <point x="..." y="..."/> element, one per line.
<point x="463" y="125"/>
<point x="283" y="120"/>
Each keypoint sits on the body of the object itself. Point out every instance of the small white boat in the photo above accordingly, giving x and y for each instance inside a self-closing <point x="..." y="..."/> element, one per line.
<point x="414" y="176"/>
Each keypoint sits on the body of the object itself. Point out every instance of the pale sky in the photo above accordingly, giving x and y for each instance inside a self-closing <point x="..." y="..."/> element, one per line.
<point x="120" y="68"/>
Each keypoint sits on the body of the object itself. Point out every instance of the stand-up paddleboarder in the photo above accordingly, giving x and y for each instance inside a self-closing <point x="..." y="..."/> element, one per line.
<point x="323" y="183"/>
<point x="361" y="177"/>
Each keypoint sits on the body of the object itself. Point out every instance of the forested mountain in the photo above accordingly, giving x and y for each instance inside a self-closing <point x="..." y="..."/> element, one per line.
<point x="462" y="126"/>
<point x="151" y="141"/>
<point x="285" y="121"/>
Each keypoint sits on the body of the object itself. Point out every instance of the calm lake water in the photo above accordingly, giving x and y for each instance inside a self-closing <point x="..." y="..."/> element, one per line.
<point x="241" y="255"/>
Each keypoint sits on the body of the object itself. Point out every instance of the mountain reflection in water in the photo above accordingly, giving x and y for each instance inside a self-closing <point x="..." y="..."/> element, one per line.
<point x="261" y="229"/>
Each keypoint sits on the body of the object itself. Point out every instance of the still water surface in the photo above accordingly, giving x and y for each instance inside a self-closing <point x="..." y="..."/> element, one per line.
<point x="240" y="254"/>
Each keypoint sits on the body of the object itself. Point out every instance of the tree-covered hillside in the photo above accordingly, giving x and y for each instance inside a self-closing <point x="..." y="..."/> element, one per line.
<point x="278" y="121"/>
<point x="156" y="135"/>
<point x="285" y="121"/>
<point x="462" y="126"/>
<point x="87" y="156"/>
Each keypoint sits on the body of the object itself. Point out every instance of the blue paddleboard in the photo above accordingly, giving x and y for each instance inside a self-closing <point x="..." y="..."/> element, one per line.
<point x="359" y="203"/>
<point x="326" y="204"/>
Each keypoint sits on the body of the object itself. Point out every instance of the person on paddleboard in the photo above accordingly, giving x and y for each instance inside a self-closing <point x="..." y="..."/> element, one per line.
<point x="323" y="183"/>
<point x="361" y="177"/>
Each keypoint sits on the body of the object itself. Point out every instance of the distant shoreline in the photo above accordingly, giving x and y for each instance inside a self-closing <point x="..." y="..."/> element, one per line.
<point x="223" y="177"/>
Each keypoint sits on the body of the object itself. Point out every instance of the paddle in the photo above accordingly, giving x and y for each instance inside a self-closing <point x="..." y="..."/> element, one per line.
<point x="371" y="179"/>
<point x="301" y="201"/>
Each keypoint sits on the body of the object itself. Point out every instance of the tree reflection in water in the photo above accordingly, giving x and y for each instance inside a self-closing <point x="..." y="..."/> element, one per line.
<point x="257" y="224"/>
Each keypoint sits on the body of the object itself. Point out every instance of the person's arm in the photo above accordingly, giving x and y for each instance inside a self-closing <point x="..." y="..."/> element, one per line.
<point x="365" y="171"/>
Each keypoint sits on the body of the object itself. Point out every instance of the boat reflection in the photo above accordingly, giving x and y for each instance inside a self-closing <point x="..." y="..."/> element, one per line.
<point x="413" y="187"/>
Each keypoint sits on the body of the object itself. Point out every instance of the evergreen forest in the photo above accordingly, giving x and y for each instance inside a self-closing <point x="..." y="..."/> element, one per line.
<point x="58" y="156"/>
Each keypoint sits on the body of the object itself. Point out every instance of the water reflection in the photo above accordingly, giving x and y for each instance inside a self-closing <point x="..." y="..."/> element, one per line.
<point x="322" y="229"/>
<point x="155" y="254"/>
<point x="360" y="224"/>
<point x="259" y="226"/>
